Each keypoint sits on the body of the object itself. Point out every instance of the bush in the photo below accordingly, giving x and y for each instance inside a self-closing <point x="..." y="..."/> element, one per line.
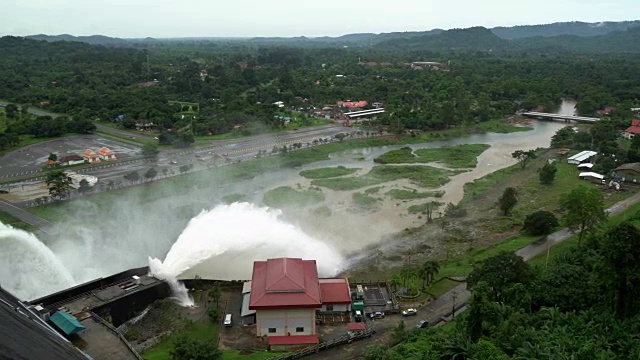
<point x="548" y="173"/>
<point x="540" y="223"/>
<point x="455" y="211"/>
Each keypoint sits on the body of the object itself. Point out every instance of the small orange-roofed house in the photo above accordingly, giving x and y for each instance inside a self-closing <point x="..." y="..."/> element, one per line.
<point x="90" y="156"/>
<point x="106" y="154"/>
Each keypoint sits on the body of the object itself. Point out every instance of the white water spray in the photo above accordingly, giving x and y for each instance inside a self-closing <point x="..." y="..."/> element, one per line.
<point x="223" y="243"/>
<point x="29" y="268"/>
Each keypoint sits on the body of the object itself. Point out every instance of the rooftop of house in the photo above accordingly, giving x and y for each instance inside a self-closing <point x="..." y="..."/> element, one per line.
<point x="73" y="157"/>
<point x="285" y="283"/>
<point x="335" y="291"/>
<point x="630" y="166"/>
<point x="105" y="151"/>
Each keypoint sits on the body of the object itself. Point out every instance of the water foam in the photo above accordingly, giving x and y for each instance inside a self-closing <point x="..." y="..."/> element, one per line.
<point x="29" y="268"/>
<point x="223" y="243"/>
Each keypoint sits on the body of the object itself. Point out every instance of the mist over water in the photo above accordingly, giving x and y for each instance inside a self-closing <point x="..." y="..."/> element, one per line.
<point x="222" y="244"/>
<point x="29" y="269"/>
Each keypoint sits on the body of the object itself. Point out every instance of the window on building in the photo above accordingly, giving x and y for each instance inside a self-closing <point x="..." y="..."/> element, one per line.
<point x="272" y="330"/>
<point x="329" y="307"/>
<point x="299" y="329"/>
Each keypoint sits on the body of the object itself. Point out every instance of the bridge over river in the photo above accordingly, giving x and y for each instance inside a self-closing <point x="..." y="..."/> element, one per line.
<point x="566" y="118"/>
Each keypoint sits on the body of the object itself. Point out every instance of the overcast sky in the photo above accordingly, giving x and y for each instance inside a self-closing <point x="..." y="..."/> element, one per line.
<point x="181" y="18"/>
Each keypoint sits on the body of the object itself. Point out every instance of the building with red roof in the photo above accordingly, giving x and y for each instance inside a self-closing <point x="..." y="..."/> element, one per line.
<point x="632" y="130"/>
<point x="286" y="294"/>
<point x="106" y="154"/>
<point x="90" y="156"/>
<point x="336" y="296"/>
<point x="353" y="104"/>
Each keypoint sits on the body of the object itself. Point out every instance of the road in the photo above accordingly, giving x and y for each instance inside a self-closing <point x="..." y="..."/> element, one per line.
<point x="25" y="216"/>
<point x="441" y="308"/>
<point x="234" y="149"/>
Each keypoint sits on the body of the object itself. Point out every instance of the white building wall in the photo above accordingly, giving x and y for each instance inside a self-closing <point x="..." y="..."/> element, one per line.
<point x="336" y="307"/>
<point x="285" y="322"/>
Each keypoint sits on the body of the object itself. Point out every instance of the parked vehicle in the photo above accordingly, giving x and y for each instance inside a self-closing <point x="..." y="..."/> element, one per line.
<point x="358" y="316"/>
<point x="409" y="312"/>
<point x="377" y="315"/>
<point x="422" y="324"/>
<point x="227" y="320"/>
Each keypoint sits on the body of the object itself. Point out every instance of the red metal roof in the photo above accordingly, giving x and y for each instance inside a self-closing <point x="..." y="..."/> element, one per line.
<point x="293" y="340"/>
<point x="284" y="283"/>
<point x="335" y="291"/>
<point x="356" y="326"/>
<point x="635" y="122"/>
<point x="633" y="129"/>
<point x="353" y="104"/>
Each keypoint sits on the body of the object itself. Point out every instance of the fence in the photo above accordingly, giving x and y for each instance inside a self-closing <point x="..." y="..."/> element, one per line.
<point x="345" y="339"/>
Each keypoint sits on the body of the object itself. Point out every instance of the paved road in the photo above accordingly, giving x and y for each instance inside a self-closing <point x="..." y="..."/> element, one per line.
<point x="25" y="216"/>
<point x="441" y="308"/>
<point x="235" y="149"/>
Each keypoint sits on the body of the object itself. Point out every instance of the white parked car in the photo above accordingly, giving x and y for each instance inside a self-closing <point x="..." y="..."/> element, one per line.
<point x="409" y="312"/>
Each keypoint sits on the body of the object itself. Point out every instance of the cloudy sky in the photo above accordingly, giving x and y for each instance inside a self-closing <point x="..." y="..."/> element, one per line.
<point x="179" y="18"/>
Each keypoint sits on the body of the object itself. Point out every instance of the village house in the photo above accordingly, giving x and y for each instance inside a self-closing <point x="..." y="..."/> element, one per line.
<point x="70" y="160"/>
<point x="90" y="156"/>
<point x="106" y="154"/>
<point x="632" y="130"/>
<point x="627" y="173"/>
<point x="286" y="294"/>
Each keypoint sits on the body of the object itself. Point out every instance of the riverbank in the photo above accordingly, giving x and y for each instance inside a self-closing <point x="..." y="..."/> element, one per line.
<point x="458" y="242"/>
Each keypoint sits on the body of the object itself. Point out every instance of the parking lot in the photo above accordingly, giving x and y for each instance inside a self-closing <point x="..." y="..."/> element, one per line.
<point x="31" y="159"/>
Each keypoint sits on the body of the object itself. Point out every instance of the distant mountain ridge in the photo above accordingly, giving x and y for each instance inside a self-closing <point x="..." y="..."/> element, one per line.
<point x="580" y="29"/>
<point x="558" y="37"/>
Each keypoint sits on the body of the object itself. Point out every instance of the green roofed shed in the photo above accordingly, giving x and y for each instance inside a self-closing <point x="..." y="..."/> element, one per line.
<point x="67" y="323"/>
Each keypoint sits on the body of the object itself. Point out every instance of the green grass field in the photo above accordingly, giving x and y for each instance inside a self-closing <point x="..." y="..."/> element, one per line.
<point x="285" y="196"/>
<point x="364" y="201"/>
<point x="7" y="219"/>
<point x="330" y="172"/>
<point x="203" y="330"/>
<point x="461" y="156"/>
<point x="400" y="194"/>
<point x="424" y="176"/>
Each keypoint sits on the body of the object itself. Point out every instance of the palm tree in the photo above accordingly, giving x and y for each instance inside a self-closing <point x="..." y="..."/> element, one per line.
<point x="423" y="273"/>
<point x="434" y="269"/>
<point x="395" y="281"/>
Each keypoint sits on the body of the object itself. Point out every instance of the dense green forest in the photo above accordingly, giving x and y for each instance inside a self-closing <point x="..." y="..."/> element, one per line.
<point x="481" y="77"/>
<point x="585" y="305"/>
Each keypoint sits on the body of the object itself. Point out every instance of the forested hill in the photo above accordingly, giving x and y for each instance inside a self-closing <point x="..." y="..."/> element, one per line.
<point x="482" y="39"/>
<point x="475" y="38"/>
<point x="576" y="28"/>
<point x="93" y="39"/>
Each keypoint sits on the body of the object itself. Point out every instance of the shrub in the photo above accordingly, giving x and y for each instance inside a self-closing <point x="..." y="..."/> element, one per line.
<point x="540" y="223"/>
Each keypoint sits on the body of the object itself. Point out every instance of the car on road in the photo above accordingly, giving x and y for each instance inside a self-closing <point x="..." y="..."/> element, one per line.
<point x="173" y="162"/>
<point x="409" y="312"/>
<point x="422" y="324"/>
<point x="377" y="315"/>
